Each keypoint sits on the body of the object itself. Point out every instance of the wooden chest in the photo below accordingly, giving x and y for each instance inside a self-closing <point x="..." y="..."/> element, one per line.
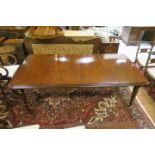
<point x="109" y="47"/>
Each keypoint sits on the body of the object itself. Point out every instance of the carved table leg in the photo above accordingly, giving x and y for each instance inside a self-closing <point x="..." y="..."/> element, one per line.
<point x="134" y="93"/>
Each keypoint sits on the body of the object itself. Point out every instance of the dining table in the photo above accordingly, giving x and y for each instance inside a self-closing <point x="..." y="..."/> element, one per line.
<point x="77" y="71"/>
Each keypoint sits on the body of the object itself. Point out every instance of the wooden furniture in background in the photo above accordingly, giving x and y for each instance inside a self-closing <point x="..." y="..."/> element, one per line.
<point x="7" y="54"/>
<point x="149" y="71"/>
<point x="110" y="45"/>
<point x="132" y="35"/>
<point x="52" y="40"/>
<point x="44" y="32"/>
<point x="44" y="40"/>
<point x="93" y="70"/>
<point x="19" y="48"/>
<point x="93" y="44"/>
<point x="13" y="31"/>
<point x="143" y="52"/>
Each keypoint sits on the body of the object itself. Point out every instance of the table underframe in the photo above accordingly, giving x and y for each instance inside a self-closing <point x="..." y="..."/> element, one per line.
<point x="133" y="95"/>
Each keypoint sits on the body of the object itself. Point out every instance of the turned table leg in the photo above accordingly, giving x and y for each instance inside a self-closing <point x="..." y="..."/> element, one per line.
<point x="134" y="93"/>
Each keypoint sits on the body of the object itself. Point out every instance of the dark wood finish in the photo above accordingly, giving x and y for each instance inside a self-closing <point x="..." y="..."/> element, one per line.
<point x="109" y="47"/>
<point x="39" y="71"/>
<point x="61" y="40"/>
<point x="132" y="35"/>
<point x="47" y="35"/>
<point x="100" y="70"/>
<point x="134" y="93"/>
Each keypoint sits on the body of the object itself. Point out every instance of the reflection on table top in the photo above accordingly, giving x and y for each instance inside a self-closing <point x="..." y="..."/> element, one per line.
<point x="93" y="70"/>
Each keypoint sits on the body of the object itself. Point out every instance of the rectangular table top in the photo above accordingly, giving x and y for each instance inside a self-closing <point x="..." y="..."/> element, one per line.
<point x="75" y="70"/>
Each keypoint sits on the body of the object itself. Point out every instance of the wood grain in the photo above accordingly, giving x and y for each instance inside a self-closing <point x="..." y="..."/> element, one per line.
<point x="92" y="70"/>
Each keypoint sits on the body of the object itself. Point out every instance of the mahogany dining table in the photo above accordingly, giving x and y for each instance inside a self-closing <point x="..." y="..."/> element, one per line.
<point x="77" y="70"/>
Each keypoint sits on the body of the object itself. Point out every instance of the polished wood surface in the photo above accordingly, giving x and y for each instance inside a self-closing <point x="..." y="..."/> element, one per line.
<point x="94" y="70"/>
<point x="109" y="47"/>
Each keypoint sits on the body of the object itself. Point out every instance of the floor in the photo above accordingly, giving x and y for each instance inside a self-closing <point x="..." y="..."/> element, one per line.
<point x="129" y="51"/>
<point x="145" y="101"/>
<point x="72" y="107"/>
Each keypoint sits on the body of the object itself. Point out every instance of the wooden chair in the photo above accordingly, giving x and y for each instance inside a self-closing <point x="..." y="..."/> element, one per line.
<point x="3" y="76"/>
<point x="149" y="71"/>
<point x="6" y="73"/>
<point x="19" y="52"/>
<point x="143" y="51"/>
<point x="7" y="54"/>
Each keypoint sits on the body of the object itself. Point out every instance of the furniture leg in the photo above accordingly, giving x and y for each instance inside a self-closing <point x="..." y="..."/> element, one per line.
<point x="134" y="93"/>
<point x="24" y="99"/>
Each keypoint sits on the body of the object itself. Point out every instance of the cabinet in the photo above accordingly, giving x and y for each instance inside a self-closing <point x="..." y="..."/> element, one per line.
<point x="109" y="47"/>
<point x="131" y="35"/>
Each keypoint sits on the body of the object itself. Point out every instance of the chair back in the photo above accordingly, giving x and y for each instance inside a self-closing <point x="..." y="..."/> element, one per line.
<point x="150" y="61"/>
<point x="147" y="35"/>
<point x="144" y="47"/>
